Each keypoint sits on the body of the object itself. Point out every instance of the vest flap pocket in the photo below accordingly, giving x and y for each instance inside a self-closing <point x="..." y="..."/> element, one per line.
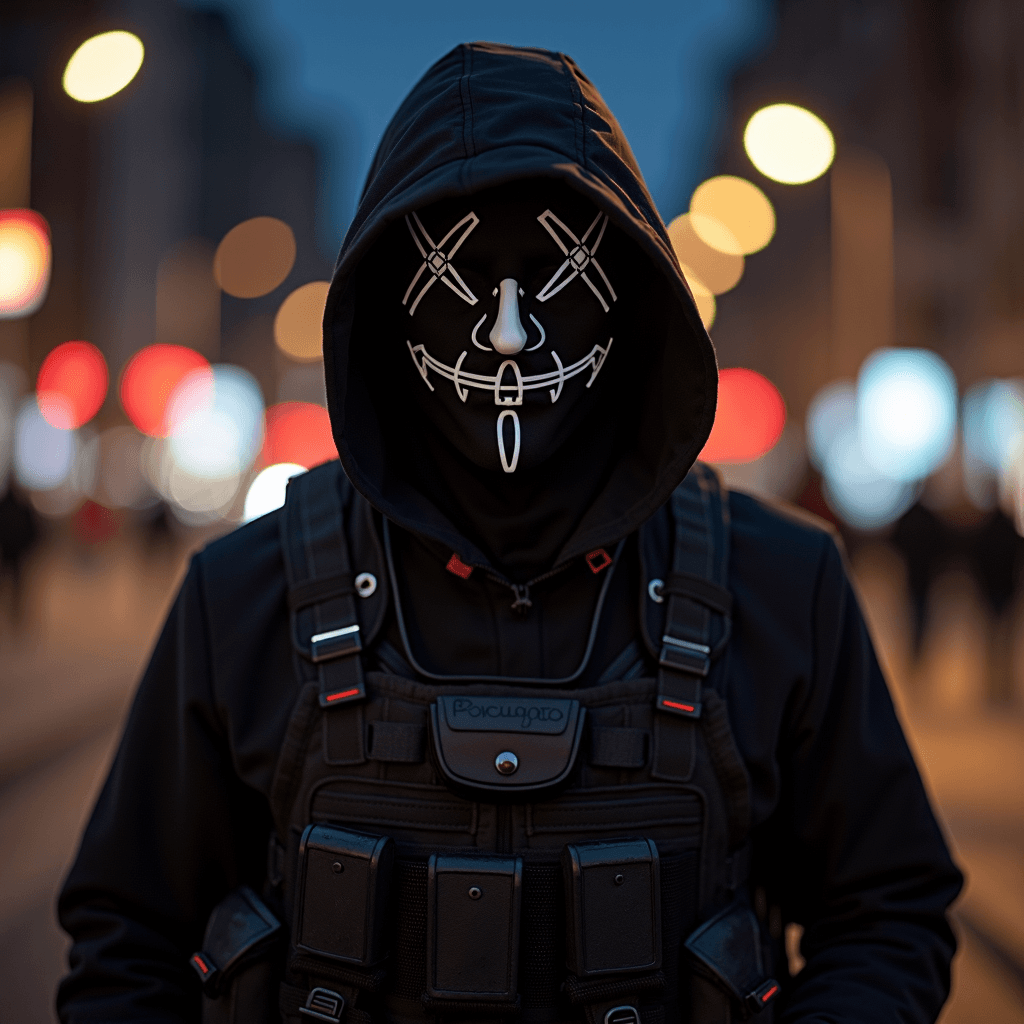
<point x="240" y="928"/>
<point x="473" y="907"/>
<point x="505" y="744"/>
<point x="728" y="946"/>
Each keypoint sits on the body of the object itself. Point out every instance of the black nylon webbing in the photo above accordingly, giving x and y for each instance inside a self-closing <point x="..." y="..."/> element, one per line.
<point x="322" y="603"/>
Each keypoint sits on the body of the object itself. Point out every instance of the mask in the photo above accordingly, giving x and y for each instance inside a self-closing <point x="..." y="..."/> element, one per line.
<point x="506" y="305"/>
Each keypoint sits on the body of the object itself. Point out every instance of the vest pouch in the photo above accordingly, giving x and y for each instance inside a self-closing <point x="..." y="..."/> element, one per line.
<point x="342" y="896"/>
<point x="727" y="949"/>
<point x="473" y="909"/>
<point x="237" y="965"/>
<point x="505" y="746"/>
<point x="613" y="912"/>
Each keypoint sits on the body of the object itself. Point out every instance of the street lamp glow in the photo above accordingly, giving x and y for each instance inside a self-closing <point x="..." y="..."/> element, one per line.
<point x="103" y="66"/>
<point x="789" y="144"/>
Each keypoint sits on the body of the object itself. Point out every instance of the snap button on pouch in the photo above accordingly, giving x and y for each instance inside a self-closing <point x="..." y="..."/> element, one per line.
<point x="506" y="762"/>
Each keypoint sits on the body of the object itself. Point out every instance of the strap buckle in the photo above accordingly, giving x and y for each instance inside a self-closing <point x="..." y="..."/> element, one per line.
<point x="685" y="656"/>
<point x="324" y="1004"/>
<point x="757" y="1000"/>
<point x="335" y="643"/>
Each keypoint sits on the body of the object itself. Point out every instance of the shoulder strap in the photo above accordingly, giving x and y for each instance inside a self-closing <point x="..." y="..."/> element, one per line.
<point x="326" y="628"/>
<point x="698" y="605"/>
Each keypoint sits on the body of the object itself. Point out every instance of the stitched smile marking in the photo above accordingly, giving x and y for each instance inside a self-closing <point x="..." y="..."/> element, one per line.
<point x="463" y="381"/>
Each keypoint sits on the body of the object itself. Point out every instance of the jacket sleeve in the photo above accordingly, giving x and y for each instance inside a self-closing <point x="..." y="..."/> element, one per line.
<point x="173" y="830"/>
<point x="858" y="858"/>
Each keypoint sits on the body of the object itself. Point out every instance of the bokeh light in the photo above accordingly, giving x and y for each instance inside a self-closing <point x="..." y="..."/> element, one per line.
<point x="254" y="257"/>
<point x="299" y="433"/>
<point x="298" y="326"/>
<point x="993" y="439"/>
<point x="703" y="297"/>
<point x="216" y="432"/>
<point x="149" y="379"/>
<point x="732" y="215"/>
<point x="857" y="492"/>
<point x="906" y="412"/>
<point x="749" y="419"/>
<point x="831" y="414"/>
<point x="103" y="66"/>
<point x="717" y="271"/>
<point x="24" y="262"/>
<point x="72" y="384"/>
<point x="43" y="454"/>
<point x="789" y="144"/>
<point x="267" y="491"/>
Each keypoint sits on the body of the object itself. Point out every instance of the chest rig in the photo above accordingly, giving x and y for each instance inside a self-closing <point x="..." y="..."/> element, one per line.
<point x="482" y="851"/>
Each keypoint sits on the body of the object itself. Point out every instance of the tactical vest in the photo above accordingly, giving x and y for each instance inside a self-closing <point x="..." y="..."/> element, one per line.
<point x="502" y="850"/>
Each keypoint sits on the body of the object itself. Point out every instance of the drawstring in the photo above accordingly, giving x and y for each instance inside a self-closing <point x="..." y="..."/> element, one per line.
<point x="522" y="604"/>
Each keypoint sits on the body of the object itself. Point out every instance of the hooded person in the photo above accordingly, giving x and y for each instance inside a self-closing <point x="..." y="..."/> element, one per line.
<point x="514" y="712"/>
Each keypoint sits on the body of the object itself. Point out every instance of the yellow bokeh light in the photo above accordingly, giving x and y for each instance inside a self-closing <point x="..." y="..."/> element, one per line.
<point x="732" y="215"/>
<point x="703" y="297"/>
<point x="718" y="271"/>
<point x="102" y="66"/>
<point x="254" y="257"/>
<point x="789" y="144"/>
<point x="298" y="324"/>
<point x="24" y="262"/>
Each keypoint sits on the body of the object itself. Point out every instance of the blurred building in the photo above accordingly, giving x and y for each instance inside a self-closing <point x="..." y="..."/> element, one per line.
<point x="916" y="237"/>
<point x="139" y="189"/>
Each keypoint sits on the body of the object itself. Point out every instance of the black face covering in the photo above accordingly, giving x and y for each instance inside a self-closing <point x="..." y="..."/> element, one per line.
<point x="501" y="311"/>
<point x="508" y="308"/>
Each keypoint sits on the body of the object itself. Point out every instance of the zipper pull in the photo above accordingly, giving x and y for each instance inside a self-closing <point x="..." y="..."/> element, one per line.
<point x="522" y="604"/>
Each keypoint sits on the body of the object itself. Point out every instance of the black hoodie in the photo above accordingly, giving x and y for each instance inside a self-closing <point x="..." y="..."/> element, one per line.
<point x="844" y="840"/>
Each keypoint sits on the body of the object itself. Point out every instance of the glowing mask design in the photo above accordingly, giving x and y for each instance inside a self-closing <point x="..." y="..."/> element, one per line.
<point x="548" y="260"/>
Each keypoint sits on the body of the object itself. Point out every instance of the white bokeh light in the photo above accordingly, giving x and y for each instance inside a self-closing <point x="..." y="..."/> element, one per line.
<point x="267" y="491"/>
<point x="906" y="412"/>
<point x="43" y="455"/>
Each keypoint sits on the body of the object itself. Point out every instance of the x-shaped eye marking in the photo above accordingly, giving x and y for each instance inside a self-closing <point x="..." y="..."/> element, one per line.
<point x="436" y="259"/>
<point x="580" y="253"/>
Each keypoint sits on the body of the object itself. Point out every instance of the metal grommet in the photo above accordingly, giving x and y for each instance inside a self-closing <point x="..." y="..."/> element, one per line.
<point x="337" y="867"/>
<point x="475" y="892"/>
<point x="366" y="584"/>
<point x="619" y="879"/>
<point x="654" y="589"/>
<point x="506" y="762"/>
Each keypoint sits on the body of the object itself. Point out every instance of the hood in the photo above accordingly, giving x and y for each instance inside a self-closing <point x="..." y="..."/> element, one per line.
<point x="485" y="115"/>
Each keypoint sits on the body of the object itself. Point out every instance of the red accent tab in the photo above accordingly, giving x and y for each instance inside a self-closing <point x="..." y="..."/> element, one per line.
<point x="332" y="697"/>
<point x="676" y="704"/>
<point x="200" y="963"/>
<point x="598" y="560"/>
<point x="458" y="567"/>
<point x="769" y="993"/>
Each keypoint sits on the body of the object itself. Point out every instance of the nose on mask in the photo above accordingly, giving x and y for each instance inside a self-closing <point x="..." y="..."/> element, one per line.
<point x="508" y="336"/>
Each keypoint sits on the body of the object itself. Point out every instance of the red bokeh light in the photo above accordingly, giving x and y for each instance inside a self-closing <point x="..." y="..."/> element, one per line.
<point x="148" y="380"/>
<point x="298" y="432"/>
<point x="749" y="419"/>
<point x="72" y="384"/>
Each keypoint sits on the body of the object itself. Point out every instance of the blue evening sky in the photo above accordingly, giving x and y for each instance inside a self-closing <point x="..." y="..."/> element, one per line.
<point x="336" y="70"/>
